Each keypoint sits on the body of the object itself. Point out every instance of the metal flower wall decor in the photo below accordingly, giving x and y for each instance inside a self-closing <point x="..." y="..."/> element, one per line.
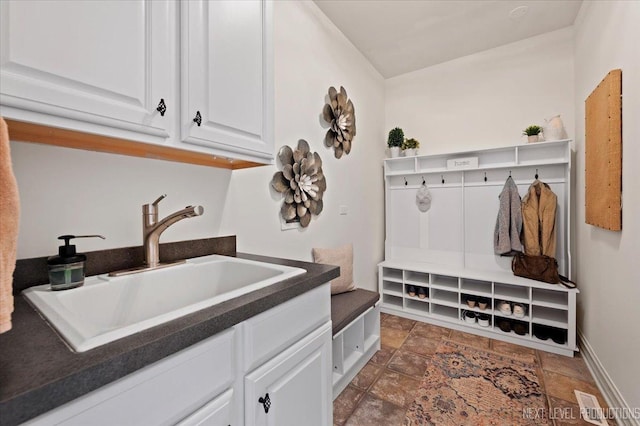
<point x="302" y="183"/>
<point x="341" y="116"/>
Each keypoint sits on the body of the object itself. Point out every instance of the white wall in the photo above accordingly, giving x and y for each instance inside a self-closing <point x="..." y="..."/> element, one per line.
<point x="606" y="38"/>
<point x="485" y="99"/>
<point x="310" y="56"/>
<point x="70" y="191"/>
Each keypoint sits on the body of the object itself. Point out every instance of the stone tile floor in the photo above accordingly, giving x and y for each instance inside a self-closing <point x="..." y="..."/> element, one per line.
<point x="381" y="393"/>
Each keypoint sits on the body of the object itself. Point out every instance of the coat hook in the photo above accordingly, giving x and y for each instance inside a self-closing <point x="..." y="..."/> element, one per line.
<point x="509" y="173"/>
<point x="405" y="181"/>
<point x="442" y="177"/>
<point x="536" y="174"/>
<point x="485" y="176"/>
<point x="423" y="181"/>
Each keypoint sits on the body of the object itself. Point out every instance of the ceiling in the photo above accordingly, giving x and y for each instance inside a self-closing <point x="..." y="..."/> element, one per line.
<point x="399" y="36"/>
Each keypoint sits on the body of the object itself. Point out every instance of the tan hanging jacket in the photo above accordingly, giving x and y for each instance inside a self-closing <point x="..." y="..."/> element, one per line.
<point x="539" y="220"/>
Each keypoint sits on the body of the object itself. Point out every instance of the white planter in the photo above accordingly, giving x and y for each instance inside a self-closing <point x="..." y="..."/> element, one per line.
<point x="554" y="129"/>
<point x="409" y="152"/>
<point x="394" y="151"/>
<point x="532" y="138"/>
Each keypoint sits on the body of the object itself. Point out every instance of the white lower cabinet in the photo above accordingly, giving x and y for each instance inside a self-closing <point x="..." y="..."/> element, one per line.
<point x="218" y="412"/>
<point x="294" y="388"/>
<point x="163" y="393"/>
<point x="219" y="381"/>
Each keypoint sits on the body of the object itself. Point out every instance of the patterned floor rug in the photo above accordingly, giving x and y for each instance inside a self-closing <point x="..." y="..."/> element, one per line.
<point x="464" y="385"/>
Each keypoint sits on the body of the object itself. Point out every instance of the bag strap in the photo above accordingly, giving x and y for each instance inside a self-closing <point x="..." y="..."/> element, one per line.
<point x="567" y="282"/>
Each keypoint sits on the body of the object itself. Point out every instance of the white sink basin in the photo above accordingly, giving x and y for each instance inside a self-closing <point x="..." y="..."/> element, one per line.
<point x="109" y="308"/>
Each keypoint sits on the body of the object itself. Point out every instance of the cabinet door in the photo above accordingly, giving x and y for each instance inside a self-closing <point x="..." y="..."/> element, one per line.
<point x="297" y="382"/>
<point x="188" y="383"/>
<point x="218" y="412"/>
<point x="94" y="66"/>
<point x="227" y="81"/>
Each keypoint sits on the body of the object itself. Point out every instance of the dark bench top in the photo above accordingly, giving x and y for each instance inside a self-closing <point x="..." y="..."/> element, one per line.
<point x="345" y="307"/>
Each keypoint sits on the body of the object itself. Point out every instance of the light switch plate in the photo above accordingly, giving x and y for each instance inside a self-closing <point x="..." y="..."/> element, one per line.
<point x="343" y="210"/>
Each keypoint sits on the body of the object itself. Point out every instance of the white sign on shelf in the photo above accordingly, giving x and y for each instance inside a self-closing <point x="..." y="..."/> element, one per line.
<point x="463" y="163"/>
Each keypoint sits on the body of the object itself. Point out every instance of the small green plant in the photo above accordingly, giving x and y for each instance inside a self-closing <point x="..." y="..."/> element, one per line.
<point x="396" y="138"/>
<point x="532" y="130"/>
<point x="410" y="143"/>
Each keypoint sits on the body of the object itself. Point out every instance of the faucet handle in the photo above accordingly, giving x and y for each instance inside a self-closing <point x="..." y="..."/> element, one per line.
<point x="160" y="198"/>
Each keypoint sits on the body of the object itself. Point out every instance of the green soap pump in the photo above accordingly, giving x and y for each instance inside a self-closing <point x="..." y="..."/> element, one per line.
<point x="66" y="270"/>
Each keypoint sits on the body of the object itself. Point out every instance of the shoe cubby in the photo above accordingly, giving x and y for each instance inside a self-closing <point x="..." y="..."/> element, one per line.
<point x="392" y="287"/>
<point x="390" y="300"/>
<point x="418" y="306"/>
<point x="446" y="313"/>
<point x="548" y="310"/>
<point x="479" y="304"/>
<point x="444" y="282"/>
<point x="550" y="298"/>
<point x="417" y="292"/>
<point x="445" y="298"/>
<point x="471" y="318"/>
<point x="353" y="343"/>
<point x="512" y="327"/>
<point x="512" y="310"/>
<point x="545" y="333"/>
<point x="416" y="278"/>
<point x="475" y="287"/>
<point x="353" y="347"/>
<point x="391" y="274"/>
<point x="511" y="293"/>
<point x="550" y="316"/>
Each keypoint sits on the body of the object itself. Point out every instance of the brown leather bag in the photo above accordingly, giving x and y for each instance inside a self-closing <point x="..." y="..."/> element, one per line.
<point x="540" y="268"/>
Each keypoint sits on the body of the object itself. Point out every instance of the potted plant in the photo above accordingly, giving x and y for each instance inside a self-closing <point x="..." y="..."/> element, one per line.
<point x="532" y="133"/>
<point x="394" y="142"/>
<point x="410" y="147"/>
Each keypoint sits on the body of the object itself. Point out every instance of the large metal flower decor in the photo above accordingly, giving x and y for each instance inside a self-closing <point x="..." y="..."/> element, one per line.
<point x="341" y="116"/>
<point x="302" y="183"/>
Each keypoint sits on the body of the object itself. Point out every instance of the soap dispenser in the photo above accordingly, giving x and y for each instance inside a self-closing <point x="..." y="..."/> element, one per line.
<point x="66" y="270"/>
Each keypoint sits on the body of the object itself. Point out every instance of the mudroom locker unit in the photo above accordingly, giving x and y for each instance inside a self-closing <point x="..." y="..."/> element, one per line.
<point x="448" y="251"/>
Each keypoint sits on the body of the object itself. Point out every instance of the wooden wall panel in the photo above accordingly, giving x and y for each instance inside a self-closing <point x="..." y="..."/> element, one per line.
<point x="603" y="153"/>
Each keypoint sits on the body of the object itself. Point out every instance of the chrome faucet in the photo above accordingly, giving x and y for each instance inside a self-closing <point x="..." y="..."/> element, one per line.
<point x="152" y="228"/>
<point x="151" y="231"/>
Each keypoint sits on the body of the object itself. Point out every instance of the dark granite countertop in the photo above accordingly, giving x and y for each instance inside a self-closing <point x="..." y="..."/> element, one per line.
<point x="38" y="372"/>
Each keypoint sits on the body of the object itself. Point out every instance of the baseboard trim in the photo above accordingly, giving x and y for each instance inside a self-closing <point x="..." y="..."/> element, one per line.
<point x="608" y="388"/>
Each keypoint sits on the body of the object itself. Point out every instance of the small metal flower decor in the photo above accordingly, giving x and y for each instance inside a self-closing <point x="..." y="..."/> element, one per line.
<point x="302" y="183"/>
<point x="341" y="116"/>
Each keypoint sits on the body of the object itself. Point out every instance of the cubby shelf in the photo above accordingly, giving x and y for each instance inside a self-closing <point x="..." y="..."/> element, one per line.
<point x="547" y="304"/>
<point x="354" y="345"/>
<point x="547" y="153"/>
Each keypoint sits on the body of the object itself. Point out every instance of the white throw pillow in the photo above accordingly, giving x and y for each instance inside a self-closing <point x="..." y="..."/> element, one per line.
<point x="342" y="257"/>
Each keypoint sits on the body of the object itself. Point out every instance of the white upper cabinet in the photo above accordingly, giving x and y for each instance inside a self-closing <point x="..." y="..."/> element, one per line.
<point x="103" y="67"/>
<point x="94" y="66"/>
<point x="226" y="79"/>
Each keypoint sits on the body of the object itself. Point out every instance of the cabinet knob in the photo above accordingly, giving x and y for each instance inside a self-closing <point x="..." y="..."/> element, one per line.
<point x="266" y="402"/>
<point x="198" y="119"/>
<point x="162" y="107"/>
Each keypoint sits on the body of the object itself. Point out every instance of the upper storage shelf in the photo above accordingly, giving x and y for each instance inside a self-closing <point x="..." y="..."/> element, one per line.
<point x="465" y="187"/>
<point x="541" y="153"/>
